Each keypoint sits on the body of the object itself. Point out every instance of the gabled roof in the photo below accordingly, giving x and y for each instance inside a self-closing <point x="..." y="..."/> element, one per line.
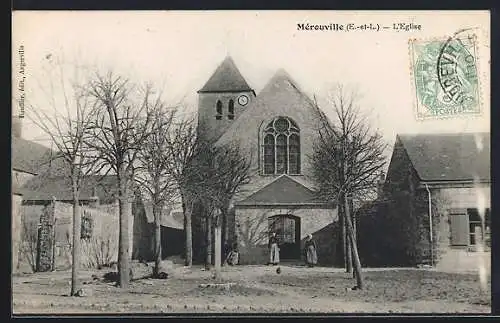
<point x="280" y="97"/>
<point x="44" y="188"/>
<point x="226" y="78"/>
<point x="31" y="157"/>
<point x="284" y="190"/>
<point x="449" y="157"/>
<point x="168" y="219"/>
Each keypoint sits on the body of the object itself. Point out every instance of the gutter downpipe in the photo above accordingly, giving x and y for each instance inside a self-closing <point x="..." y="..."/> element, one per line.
<point x="431" y="238"/>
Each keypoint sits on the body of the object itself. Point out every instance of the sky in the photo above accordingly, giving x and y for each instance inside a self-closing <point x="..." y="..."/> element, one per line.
<point x="179" y="50"/>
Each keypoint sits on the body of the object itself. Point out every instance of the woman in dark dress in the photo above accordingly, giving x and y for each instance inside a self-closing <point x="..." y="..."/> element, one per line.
<point x="310" y="251"/>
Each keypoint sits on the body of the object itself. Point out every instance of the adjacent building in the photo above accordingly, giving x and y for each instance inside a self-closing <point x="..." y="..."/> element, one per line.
<point x="446" y="178"/>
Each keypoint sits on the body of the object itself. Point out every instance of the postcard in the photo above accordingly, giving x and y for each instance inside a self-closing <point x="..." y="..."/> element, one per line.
<point x="251" y="162"/>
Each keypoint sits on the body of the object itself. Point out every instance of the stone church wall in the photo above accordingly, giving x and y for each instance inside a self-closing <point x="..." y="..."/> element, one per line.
<point x="252" y="231"/>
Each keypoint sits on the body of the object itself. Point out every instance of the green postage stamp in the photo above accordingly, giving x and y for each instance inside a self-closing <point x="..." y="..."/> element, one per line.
<point x="445" y="77"/>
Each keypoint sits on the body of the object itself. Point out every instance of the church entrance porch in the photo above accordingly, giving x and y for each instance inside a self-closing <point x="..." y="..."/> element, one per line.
<point x="287" y="228"/>
<point x="291" y="210"/>
<point x="253" y="226"/>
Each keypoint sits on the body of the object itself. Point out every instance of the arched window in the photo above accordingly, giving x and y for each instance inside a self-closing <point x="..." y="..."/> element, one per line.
<point x="281" y="147"/>
<point x="281" y="154"/>
<point x="218" y="107"/>
<point x="294" y="153"/>
<point x="230" y="110"/>
<point x="269" y="154"/>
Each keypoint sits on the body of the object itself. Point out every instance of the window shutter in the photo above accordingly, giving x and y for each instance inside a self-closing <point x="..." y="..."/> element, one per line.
<point x="459" y="228"/>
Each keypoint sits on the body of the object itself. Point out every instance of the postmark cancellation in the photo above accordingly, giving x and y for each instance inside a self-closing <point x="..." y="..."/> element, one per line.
<point x="444" y="76"/>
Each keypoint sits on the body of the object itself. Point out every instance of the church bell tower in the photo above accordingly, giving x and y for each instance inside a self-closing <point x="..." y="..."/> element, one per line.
<point x="221" y="100"/>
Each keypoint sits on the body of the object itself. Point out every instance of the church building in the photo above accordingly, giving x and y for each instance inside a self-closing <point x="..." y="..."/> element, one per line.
<point x="276" y="130"/>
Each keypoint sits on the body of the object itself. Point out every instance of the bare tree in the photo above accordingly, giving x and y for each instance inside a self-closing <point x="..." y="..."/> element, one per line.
<point x="120" y="129"/>
<point x="68" y="126"/>
<point x="182" y="146"/>
<point x="153" y="173"/>
<point x="347" y="160"/>
<point x="225" y="171"/>
<point x="29" y="241"/>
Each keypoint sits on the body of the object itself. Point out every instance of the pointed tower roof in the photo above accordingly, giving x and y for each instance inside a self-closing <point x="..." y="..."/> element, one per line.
<point x="226" y="78"/>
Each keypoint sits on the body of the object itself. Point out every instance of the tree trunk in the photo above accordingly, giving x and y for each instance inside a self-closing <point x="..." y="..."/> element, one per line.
<point x="352" y="238"/>
<point x="184" y="220"/>
<point x="349" y="251"/>
<point x="208" y="242"/>
<point x="123" y="243"/>
<point x="188" y="207"/>
<point x="54" y="244"/>
<point x="75" y="250"/>
<point x="157" y="212"/>
<point x="218" y="257"/>
<point x="344" y="234"/>
<point x="224" y="231"/>
<point x="354" y="229"/>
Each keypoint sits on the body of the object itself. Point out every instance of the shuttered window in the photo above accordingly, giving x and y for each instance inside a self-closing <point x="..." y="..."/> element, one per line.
<point x="459" y="228"/>
<point x="479" y="226"/>
<point x="467" y="226"/>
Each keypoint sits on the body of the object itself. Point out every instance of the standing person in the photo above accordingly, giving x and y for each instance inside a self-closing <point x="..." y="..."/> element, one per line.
<point x="274" y="249"/>
<point x="233" y="256"/>
<point x="310" y="251"/>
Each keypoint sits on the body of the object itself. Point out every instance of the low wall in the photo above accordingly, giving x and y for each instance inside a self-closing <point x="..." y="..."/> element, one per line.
<point x="47" y="236"/>
<point x="99" y="249"/>
<point x="16" y="230"/>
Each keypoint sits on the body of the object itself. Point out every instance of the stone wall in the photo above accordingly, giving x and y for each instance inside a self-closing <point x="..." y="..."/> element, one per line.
<point x="45" y="239"/>
<point x="458" y="258"/>
<point x="209" y="126"/>
<point x="253" y="232"/>
<point x="30" y="220"/>
<point x="56" y="235"/>
<point x="16" y="230"/>
<point x="467" y="197"/>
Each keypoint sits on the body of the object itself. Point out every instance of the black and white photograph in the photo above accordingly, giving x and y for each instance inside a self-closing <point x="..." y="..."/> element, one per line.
<point x="250" y="162"/>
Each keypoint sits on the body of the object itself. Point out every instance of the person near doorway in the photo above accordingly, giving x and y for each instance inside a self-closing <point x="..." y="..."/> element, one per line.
<point x="274" y="249"/>
<point x="310" y="251"/>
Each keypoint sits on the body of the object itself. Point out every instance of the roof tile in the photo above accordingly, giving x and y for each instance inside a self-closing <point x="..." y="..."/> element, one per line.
<point x="31" y="157"/>
<point x="282" y="191"/>
<point x="226" y="78"/>
<point x="449" y="157"/>
<point x="44" y="188"/>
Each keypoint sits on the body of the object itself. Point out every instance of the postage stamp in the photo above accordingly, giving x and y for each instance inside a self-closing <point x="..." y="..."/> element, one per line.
<point x="445" y="76"/>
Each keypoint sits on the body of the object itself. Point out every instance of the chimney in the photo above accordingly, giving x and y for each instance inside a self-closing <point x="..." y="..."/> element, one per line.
<point x="17" y="126"/>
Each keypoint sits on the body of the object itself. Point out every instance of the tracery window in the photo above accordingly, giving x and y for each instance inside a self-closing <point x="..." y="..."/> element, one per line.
<point x="281" y="147"/>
